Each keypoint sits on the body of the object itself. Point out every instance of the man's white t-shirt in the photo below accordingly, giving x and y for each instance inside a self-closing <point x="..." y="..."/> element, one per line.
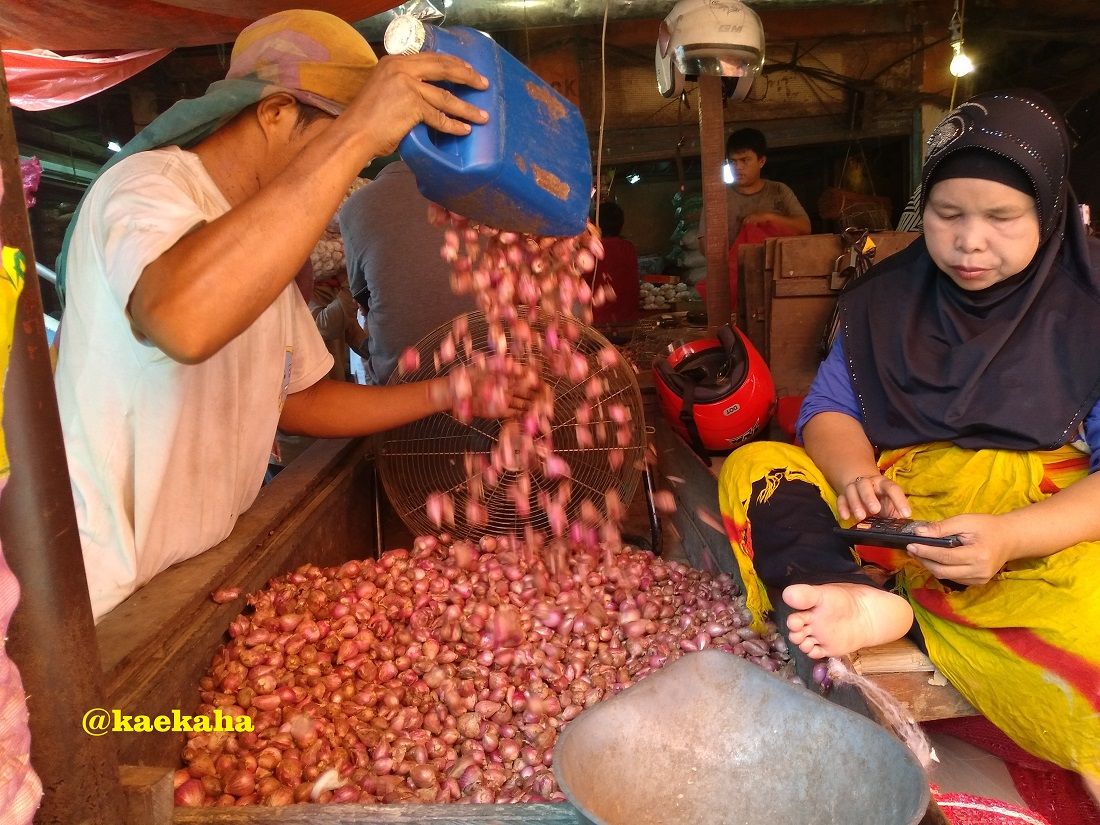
<point x="163" y="456"/>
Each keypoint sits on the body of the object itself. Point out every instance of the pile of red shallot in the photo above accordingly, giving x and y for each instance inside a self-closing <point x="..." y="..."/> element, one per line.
<point x="443" y="673"/>
<point x="531" y="291"/>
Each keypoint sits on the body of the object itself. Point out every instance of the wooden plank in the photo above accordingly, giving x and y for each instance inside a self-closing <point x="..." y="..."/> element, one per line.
<point x="903" y="670"/>
<point x="147" y="792"/>
<point x="769" y="253"/>
<point x="807" y="256"/>
<point x="814" y="256"/>
<point x="769" y="295"/>
<point x="737" y="301"/>
<point x="189" y="584"/>
<point x="801" y="302"/>
<point x="494" y="814"/>
<point x="716" y="240"/>
<point x="803" y="288"/>
<point x="893" y="657"/>
<point x="796" y="328"/>
<point x="752" y="293"/>
<point x="705" y="547"/>
<point x="696" y="549"/>
<point x="51" y="634"/>
<point x="890" y="243"/>
<point x="156" y="645"/>
<point x="924" y="701"/>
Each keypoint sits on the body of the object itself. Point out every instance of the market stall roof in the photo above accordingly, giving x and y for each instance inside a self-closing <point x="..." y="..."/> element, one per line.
<point x="100" y="25"/>
<point x="87" y="25"/>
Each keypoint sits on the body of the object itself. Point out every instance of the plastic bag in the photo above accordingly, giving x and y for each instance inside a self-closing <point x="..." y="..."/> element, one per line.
<point x="422" y="10"/>
<point x="31" y="171"/>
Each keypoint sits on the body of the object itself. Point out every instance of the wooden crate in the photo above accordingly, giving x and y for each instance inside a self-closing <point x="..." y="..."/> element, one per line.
<point x="753" y="295"/>
<point x="320" y="510"/>
<point x="797" y="271"/>
<point x="560" y="813"/>
<point x="156" y="645"/>
<point x="909" y="676"/>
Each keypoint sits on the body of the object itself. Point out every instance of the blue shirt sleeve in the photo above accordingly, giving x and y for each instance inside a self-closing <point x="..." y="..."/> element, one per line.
<point x="1092" y="437"/>
<point x="832" y="391"/>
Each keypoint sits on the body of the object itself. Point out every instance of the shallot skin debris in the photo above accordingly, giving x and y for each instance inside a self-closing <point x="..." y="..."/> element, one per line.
<point x="224" y="595"/>
<point x="442" y="673"/>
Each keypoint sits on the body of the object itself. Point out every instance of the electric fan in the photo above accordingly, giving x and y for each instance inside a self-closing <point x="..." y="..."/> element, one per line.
<point x="432" y="454"/>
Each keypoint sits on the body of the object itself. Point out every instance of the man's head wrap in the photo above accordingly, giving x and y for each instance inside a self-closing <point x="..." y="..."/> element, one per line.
<point x="313" y="55"/>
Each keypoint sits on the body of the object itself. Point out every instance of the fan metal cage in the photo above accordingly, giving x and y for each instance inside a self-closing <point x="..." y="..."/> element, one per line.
<point x="429" y="455"/>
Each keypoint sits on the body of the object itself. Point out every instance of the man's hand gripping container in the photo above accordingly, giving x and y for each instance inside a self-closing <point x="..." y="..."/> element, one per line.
<point x="528" y="169"/>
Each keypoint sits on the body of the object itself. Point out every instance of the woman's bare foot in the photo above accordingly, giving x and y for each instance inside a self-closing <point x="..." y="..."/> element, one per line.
<point x="835" y="619"/>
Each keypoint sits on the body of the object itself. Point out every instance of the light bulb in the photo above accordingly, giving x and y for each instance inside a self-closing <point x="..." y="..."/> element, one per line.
<point x="727" y="173"/>
<point x="961" y="64"/>
<point x="113" y="146"/>
<point x="634" y="177"/>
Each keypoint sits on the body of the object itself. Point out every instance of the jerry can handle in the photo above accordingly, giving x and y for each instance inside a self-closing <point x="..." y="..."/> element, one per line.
<point x="418" y="143"/>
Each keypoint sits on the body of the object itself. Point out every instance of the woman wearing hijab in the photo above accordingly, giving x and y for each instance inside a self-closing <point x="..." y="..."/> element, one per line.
<point x="962" y="391"/>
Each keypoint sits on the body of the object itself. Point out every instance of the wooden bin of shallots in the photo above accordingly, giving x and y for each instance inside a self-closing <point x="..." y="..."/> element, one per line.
<point x="325" y="682"/>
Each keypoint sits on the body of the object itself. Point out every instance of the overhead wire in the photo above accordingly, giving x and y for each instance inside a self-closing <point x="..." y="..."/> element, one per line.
<point x="603" y="120"/>
<point x="526" y="33"/>
<point x="960" y="12"/>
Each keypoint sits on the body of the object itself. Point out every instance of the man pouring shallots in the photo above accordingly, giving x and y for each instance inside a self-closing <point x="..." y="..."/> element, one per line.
<point x="185" y="344"/>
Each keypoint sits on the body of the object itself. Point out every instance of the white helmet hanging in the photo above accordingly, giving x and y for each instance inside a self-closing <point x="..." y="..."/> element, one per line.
<point x="718" y="37"/>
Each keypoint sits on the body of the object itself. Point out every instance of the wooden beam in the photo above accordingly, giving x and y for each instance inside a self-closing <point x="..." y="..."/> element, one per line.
<point x="712" y="142"/>
<point x="158" y="643"/>
<point x="637" y="142"/>
<point x="149" y="794"/>
<point x="51" y="638"/>
<point x="495" y="814"/>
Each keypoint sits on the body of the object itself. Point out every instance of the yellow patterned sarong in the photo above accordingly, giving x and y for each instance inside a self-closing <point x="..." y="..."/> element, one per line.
<point x="1024" y="649"/>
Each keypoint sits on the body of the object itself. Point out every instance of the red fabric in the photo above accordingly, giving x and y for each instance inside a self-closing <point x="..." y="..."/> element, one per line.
<point x="786" y="414"/>
<point x="90" y="25"/>
<point x="39" y="79"/>
<point x="750" y="233"/>
<point x="620" y="267"/>
<point x="1055" y="793"/>
<point x="964" y="809"/>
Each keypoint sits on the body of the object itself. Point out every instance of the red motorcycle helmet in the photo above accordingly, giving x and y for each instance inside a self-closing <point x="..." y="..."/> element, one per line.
<point x="716" y="392"/>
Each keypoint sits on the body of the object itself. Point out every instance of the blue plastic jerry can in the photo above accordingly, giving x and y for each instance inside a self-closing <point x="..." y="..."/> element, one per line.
<point x="528" y="169"/>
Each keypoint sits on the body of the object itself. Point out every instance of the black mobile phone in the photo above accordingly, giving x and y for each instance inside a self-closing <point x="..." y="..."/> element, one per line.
<point x="892" y="532"/>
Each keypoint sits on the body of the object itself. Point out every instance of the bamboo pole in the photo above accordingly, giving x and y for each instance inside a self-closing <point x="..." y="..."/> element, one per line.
<point x="712" y="150"/>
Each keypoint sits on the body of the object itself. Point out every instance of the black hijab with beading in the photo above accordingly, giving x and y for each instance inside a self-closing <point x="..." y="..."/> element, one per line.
<point x="1015" y="365"/>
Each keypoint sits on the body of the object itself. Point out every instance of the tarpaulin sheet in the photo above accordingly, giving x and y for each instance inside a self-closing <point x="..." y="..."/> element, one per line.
<point x="41" y="79"/>
<point x="102" y="25"/>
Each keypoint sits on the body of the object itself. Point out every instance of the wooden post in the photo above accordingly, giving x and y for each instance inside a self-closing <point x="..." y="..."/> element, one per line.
<point x="148" y="793"/>
<point x="52" y="637"/>
<point x="712" y="150"/>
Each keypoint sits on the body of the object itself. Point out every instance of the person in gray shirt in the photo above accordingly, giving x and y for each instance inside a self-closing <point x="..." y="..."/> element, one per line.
<point x="753" y="199"/>
<point x="394" y="267"/>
